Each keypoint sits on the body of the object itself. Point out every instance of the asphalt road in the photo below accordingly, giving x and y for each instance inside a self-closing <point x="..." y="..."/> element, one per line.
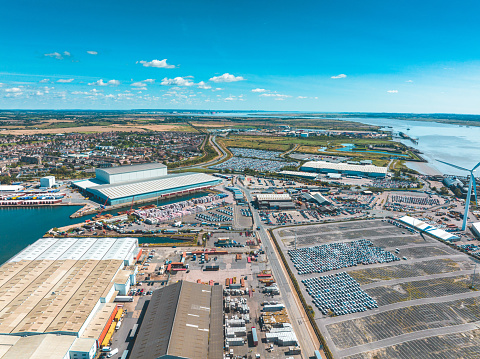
<point x="219" y="150"/>
<point x="297" y="319"/>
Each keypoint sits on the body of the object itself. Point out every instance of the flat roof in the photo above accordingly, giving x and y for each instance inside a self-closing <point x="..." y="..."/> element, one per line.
<point x="299" y="174"/>
<point x="180" y="320"/>
<point x="132" y="168"/>
<point x="77" y="249"/>
<point x="345" y="167"/>
<point x="83" y="344"/>
<point x="53" y="285"/>
<point x="163" y="183"/>
<point x="45" y="346"/>
<point x="273" y="197"/>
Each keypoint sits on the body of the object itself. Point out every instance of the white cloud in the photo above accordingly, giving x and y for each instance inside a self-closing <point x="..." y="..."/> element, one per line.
<point x="157" y="63"/>
<point x="65" y="81"/>
<point x="278" y="95"/>
<point x="226" y="77"/>
<point x="13" y="90"/>
<point x="341" y="76"/>
<point x="92" y="52"/>
<point x="203" y="85"/>
<point x="58" y="55"/>
<point x="259" y="90"/>
<point x="39" y="93"/>
<point x="230" y="98"/>
<point x="44" y="81"/>
<point x="302" y="97"/>
<point x="101" y="83"/>
<point x="143" y="83"/>
<point x="177" y="81"/>
<point x="409" y="81"/>
<point x="392" y="91"/>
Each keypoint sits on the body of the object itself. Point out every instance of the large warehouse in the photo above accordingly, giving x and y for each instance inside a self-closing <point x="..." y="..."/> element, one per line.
<point x="52" y="291"/>
<point x="347" y="169"/>
<point x="182" y="321"/>
<point x="123" y="184"/>
<point x="275" y="201"/>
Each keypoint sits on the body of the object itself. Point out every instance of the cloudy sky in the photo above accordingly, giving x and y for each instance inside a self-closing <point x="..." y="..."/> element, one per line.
<point x="345" y="55"/>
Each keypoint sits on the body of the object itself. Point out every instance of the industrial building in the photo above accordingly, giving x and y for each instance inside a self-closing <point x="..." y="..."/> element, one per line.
<point x="11" y="188"/>
<point x="123" y="184"/>
<point x="347" y="169"/>
<point x="476" y="229"/>
<point x="316" y="198"/>
<point x="276" y="201"/>
<point x="306" y="175"/>
<point x="183" y="321"/>
<point x="56" y="294"/>
<point x="429" y="229"/>
<point x="47" y="182"/>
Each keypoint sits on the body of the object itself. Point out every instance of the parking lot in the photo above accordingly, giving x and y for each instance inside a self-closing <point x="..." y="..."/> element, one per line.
<point x="423" y="298"/>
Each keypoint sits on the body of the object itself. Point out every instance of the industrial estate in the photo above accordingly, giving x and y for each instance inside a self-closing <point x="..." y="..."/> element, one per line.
<point x="237" y="238"/>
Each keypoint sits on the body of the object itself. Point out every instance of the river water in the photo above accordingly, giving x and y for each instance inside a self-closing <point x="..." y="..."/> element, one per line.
<point x="459" y="145"/>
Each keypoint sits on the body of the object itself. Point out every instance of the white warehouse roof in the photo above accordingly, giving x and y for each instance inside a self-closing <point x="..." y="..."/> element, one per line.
<point x="273" y="197"/>
<point x="476" y="228"/>
<point x="299" y="174"/>
<point x="78" y="249"/>
<point x="345" y="167"/>
<point x="427" y="228"/>
<point x="133" y="168"/>
<point x="168" y="182"/>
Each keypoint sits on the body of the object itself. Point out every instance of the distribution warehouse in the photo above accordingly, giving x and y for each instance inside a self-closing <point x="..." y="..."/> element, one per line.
<point x="55" y="295"/>
<point x="347" y="169"/>
<point x="123" y="184"/>
<point x="183" y="321"/>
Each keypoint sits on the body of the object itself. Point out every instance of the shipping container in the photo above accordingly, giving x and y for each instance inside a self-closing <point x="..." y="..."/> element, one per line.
<point x="254" y="336"/>
<point x="133" y="332"/>
<point x="107" y="326"/>
<point x="123" y="298"/>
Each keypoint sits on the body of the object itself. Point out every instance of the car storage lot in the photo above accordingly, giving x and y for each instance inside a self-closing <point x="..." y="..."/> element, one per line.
<point x="425" y="306"/>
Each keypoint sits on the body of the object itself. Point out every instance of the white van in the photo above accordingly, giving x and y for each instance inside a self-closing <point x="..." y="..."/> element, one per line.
<point x="106" y="349"/>
<point x="112" y="353"/>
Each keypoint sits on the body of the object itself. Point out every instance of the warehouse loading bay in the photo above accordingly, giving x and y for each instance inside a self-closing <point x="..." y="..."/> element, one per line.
<point x="420" y="305"/>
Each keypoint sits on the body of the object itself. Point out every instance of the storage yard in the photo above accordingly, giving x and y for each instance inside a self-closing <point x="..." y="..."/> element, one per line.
<point x="384" y="309"/>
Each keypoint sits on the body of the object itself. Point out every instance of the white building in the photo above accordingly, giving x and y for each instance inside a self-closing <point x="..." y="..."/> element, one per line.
<point x="131" y="173"/>
<point x="47" y="182"/>
<point x="476" y="229"/>
<point x="8" y="188"/>
<point x="345" y="168"/>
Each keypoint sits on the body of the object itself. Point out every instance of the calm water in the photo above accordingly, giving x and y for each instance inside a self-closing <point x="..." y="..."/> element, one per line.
<point x="459" y="145"/>
<point x="20" y="227"/>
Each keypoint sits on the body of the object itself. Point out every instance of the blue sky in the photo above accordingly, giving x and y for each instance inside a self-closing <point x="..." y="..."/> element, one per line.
<point x="378" y="56"/>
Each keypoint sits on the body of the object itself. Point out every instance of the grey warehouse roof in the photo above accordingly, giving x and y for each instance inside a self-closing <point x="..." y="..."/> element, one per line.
<point x="163" y="183"/>
<point x="180" y="320"/>
<point x="133" y="168"/>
